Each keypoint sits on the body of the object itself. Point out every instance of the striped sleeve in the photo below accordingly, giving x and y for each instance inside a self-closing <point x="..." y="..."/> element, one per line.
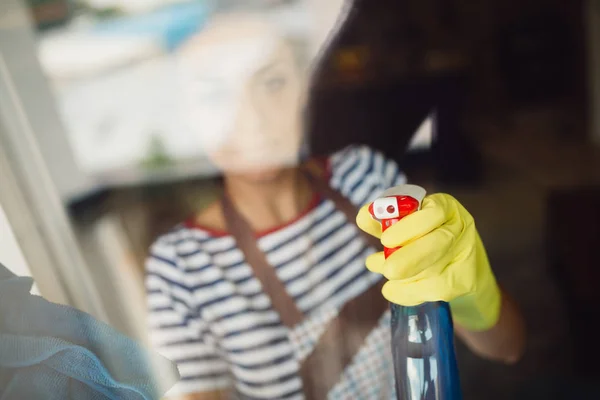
<point x="361" y="173"/>
<point x="175" y="330"/>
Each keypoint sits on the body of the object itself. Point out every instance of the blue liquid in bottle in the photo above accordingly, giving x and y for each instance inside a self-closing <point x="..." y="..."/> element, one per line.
<point x="423" y="350"/>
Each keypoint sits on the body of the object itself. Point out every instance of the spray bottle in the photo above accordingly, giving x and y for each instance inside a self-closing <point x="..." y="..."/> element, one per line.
<point x="422" y="336"/>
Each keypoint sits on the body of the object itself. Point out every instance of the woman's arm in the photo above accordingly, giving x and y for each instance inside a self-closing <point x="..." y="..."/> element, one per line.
<point x="505" y="341"/>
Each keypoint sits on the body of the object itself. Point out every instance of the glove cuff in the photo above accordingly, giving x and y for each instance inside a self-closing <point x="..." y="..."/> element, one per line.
<point x="479" y="310"/>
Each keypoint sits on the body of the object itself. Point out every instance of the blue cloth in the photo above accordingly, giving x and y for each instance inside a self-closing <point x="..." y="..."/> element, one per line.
<point x="51" y="352"/>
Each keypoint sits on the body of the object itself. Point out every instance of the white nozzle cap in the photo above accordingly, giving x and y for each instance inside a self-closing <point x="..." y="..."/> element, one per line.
<point x="414" y="191"/>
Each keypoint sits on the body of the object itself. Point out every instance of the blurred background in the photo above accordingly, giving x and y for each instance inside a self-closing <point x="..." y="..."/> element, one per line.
<point x="95" y="161"/>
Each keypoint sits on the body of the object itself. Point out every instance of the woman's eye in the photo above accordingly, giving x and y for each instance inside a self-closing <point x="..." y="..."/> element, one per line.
<point x="275" y="84"/>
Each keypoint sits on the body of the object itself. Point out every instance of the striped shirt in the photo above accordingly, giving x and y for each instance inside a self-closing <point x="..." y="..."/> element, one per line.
<point x="207" y="311"/>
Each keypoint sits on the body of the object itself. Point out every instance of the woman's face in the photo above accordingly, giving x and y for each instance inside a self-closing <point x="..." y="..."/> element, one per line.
<point x="244" y="98"/>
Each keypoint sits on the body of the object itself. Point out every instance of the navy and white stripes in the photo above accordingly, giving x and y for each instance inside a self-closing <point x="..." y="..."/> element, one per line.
<point x="207" y="311"/>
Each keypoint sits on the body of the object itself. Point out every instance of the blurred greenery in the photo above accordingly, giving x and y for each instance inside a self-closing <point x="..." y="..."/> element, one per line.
<point x="82" y="7"/>
<point x="157" y="155"/>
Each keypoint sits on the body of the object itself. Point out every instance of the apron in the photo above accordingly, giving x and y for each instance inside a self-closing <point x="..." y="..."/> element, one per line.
<point x="346" y="333"/>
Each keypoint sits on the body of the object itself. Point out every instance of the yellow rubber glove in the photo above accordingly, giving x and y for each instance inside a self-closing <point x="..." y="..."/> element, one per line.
<point x="441" y="258"/>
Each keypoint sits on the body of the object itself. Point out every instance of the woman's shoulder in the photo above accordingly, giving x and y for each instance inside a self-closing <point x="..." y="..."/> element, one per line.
<point x="361" y="173"/>
<point x="351" y="157"/>
<point x="341" y="161"/>
<point x="185" y="256"/>
<point x="355" y="163"/>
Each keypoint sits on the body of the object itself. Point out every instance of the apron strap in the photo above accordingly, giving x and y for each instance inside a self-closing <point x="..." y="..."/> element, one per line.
<point x="281" y="301"/>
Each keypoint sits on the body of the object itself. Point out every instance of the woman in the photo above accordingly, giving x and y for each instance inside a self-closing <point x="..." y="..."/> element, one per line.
<point x="264" y="294"/>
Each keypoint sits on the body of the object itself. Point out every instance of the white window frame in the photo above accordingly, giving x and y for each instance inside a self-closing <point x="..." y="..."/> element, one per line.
<point x="28" y="193"/>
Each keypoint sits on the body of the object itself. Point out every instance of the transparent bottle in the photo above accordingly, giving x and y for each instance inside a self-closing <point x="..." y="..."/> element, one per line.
<point x="423" y="349"/>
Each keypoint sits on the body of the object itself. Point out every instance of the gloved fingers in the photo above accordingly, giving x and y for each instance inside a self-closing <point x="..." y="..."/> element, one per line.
<point x="375" y="262"/>
<point x="432" y="215"/>
<point x="418" y="292"/>
<point x="417" y="257"/>
<point x="463" y="213"/>
<point x="367" y="223"/>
